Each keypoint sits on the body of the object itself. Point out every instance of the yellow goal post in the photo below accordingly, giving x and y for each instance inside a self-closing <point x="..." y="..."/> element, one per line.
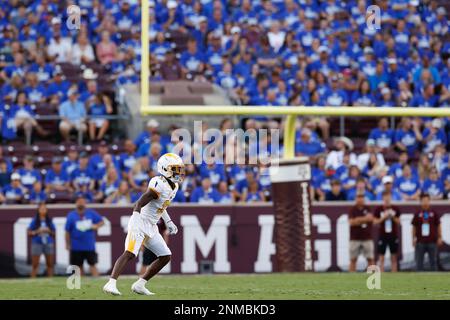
<point x="291" y="112"/>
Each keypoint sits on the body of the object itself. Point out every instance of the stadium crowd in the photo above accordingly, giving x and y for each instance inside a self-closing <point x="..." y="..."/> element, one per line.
<point x="279" y="52"/>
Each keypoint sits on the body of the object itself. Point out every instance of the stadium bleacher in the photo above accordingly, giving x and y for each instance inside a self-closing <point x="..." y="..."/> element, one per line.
<point x="260" y="52"/>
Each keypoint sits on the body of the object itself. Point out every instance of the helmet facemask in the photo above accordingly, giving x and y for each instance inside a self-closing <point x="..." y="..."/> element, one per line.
<point x="178" y="172"/>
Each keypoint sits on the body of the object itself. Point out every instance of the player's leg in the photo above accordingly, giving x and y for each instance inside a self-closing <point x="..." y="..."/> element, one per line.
<point x="133" y="243"/>
<point x="159" y="247"/>
<point x="147" y="259"/>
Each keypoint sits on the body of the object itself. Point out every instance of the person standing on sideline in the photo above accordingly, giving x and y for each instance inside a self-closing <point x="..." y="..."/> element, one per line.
<point x="81" y="225"/>
<point x="42" y="233"/>
<point x="387" y="217"/>
<point x="360" y="220"/>
<point x="426" y="233"/>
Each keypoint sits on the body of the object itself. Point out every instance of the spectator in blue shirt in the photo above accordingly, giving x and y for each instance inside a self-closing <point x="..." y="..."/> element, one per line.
<point x="225" y="195"/>
<point x="128" y="158"/>
<point x="408" y="185"/>
<point x="254" y="193"/>
<point x="37" y="194"/>
<point x="81" y="225"/>
<point x="306" y="146"/>
<point x="407" y="136"/>
<point x="434" y="185"/>
<point x="23" y="117"/>
<point x="382" y="135"/>
<point x="192" y="61"/>
<point x="97" y="110"/>
<point x="14" y="191"/>
<point x="206" y="193"/>
<point x="388" y="186"/>
<point x="73" y="115"/>
<point x="434" y="136"/>
<point x="82" y="175"/>
<point x="28" y="174"/>
<point x="56" y="179"/>
<point x="42" y="233"/>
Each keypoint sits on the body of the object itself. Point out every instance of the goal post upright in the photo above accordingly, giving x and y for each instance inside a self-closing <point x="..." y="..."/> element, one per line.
<point x="145" y="53"/>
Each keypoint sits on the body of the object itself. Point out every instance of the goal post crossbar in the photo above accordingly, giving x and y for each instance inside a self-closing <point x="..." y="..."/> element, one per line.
<point x="292" y="112"/>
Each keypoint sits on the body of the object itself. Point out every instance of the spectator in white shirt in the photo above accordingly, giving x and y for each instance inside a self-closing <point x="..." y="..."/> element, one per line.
<point x="60" y="49"/>
<point x="336" y="157"/>
<point x="82" y="51"/>
<point x="363" y="159"/>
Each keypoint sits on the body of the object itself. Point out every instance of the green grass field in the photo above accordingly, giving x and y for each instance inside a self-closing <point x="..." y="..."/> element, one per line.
<point x="220" y="287"/>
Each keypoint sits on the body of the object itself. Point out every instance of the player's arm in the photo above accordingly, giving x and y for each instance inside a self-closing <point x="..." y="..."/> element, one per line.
<point x="173" y="229"/>
<point x="148" y="196"/>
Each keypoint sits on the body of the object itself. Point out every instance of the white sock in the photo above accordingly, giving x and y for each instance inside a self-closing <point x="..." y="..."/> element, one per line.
<point x="141" y="282"/>
<point x="112" y="281"/>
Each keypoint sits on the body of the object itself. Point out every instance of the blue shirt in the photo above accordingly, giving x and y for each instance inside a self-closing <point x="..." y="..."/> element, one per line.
<point x="408" y="139"/>
<point x="56" y="178"/>
<point x="29" y="177"/>
<point x="42" y="238"/>
<point x="407" y="186"/>
<point x="82" y="240"/>
<point x="383" y="139"/>
<point x="73" y="111"/>
<point x="434" y="188"/>
<point x="199" y="195"/>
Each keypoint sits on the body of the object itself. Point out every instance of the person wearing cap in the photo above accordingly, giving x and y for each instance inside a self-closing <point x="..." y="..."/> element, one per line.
<point x="82" y="174"/>
<point x="81" y="227"/>
<point x="426" y="233"/>
<point x="151" y="126"/>
<point x="56" y="179"/>
<point x="28" y="173"/>
<point x="388" y="186"/>
<point x="14" y="191"/>
<point x="387" y="217"/>
<point x="361" y="240"/>
<point x="73" y="115"/>
<point x="395" y="73"/>
<point x="433" y="136"/>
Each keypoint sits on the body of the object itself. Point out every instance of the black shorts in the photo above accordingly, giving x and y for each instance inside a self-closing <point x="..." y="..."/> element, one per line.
<point x="384" y="242"/>
<point x="148" y="257"/>
<point x="77" y="257"/>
